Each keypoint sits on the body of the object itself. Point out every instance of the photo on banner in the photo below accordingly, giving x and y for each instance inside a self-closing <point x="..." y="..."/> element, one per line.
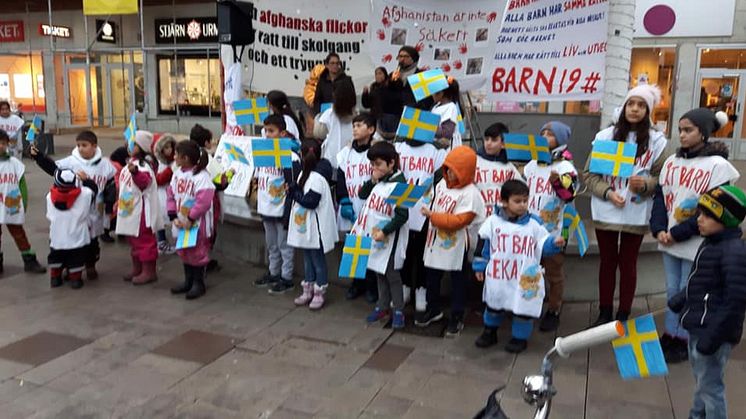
<point x="456" y="37"/>
<point x="549" y="52"/>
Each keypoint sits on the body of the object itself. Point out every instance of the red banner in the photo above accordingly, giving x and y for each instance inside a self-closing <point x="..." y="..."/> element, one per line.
<point x="11" y="31"/>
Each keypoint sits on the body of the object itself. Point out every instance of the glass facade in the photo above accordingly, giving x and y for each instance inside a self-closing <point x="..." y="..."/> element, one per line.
<point x="189" y="84"/>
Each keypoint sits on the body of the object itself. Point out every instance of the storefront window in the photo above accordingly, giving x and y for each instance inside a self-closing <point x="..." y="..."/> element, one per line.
<point x="723" y="58"/>
<point x="189" y="85"/>
<point x="22" y="82"/>
<point x="655" y="66"/>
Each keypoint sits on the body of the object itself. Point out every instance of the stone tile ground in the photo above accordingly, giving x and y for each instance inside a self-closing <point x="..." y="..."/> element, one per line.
<point x="131" y="355"/>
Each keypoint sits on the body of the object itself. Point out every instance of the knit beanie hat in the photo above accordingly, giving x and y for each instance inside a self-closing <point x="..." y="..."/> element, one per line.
<point x="144" y="139"/>
<point x="707" y="121"/>
<point x="649" y="93"/>
<point x="412" y="51"/>
<point x="64" y="178"/>
<point x="561" y="131"/>
<point x="726" y="204"/>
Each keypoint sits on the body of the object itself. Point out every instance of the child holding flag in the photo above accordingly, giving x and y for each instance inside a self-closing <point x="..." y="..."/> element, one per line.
<point x="274" y="207"/>
<point x="551" y="187"/>
<point x="137" y="213"/>
<point x="190" y="196"/>
<point x="87" y="162"/>
<point x="448" y="106"/>
<point x="455" y="210"/>
<point x="621" y="207"/>
<point x="353" y="170"/>
<point x="713" y="304"/>
<point x="507" y="259"/>
<point x="334" y="125"/>
<point x="387" y="225"/>
<point x="312" y="223"/>
<point x="14" y="191"/>
<point x="493" y="167"/>
<point x="673" y="219"/>
<point x="419" y="161"/>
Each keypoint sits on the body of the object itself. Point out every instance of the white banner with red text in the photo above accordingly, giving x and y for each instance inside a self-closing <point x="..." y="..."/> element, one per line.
<point x="549" y="50"/>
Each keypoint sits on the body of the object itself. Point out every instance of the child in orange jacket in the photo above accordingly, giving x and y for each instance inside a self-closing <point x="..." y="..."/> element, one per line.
<point x="456" y="211"/>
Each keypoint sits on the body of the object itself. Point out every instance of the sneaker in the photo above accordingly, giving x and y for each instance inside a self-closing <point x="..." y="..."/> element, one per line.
<point x="487" y="338"/>
<point x="398" y="320"/>
<point x="516" y="346"/>
<point x="76" y="284"/>
<point x="420" y="299"/>
<point x="429" y="316"/>
<point x="376" y="315"/>
<point x="549" y="322"/>
<point x="281" y="287"/>
<point x="267" y="280"/>
<point x="356" y="290"/>
<point x="55" y="282"/>
<point x="455" y="325"/>
<point x="164" y="248"/>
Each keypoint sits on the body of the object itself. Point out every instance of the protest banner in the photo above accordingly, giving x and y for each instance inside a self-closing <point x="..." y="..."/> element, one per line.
<point x="550" y="51"/>
<point x="292" y="36"/>
<point x="458" y="37"/>
<point x="232" y="93"/>
<point x="239" y="185"/>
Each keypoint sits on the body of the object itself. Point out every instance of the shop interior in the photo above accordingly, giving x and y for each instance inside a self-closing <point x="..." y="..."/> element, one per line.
<point x="22" y="82"/>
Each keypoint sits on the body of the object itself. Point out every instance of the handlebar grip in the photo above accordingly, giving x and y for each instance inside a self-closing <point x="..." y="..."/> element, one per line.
<point x="587" y="338"/>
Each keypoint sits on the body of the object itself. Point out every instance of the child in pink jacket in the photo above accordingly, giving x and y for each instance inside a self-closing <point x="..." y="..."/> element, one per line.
<point x="190" y="197"/>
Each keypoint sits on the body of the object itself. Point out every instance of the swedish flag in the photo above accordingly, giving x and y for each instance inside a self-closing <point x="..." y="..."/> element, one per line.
<point x="355" y="255"/>
<point x="417" y="124"/>
<point x="325" y="106"/>
<point x="235" y="154"/>
<point x="613" y="158"/>
<point x="406" y="195"/>
<point x="525" y="147"/>
<point x="638" y="352"/>
<point x="187" y="237"/>
<point x="426" y="83"/>
<point x="129" y="133"/>
<point x="251" y="111"/>
<point x="272" y="152"/>
<point x="572" y="224"/>
<point x="460" y="124"/>
<point x="34" y="129"/>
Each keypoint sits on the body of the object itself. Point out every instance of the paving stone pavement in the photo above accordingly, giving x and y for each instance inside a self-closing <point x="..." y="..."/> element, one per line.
<point x="137" y="352"/>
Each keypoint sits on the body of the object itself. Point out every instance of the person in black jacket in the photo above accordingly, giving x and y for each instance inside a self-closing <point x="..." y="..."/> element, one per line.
<point x="408" y="58"/>
<point x="384" y="102"/>
<point x="325" y="86"/>
<point x="713" y="304"/>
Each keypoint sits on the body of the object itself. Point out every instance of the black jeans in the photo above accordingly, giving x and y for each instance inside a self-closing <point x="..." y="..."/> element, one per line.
<point x="458" y="288"/>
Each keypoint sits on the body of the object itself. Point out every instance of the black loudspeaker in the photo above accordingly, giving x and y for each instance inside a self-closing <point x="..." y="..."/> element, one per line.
<point x="235" y="23"/>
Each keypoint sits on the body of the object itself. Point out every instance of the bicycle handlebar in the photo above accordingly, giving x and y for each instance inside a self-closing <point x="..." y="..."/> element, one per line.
<point x="587" y="338"/>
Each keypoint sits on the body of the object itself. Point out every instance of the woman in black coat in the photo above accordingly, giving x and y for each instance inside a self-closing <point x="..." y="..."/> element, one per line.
<point x="384" y="103"/>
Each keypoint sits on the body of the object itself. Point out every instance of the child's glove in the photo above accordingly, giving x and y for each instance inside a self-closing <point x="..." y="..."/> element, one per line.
<point x="346" y="210"/>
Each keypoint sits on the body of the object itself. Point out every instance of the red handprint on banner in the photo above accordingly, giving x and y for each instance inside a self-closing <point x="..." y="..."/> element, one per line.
<point x="419" y="47"/>
<point x="463" y="48"/>
<point x="381" y="34"/>
<point x="491" y="17"/>
<point x="457" y="64"/>
<point x="386" y="58"/>
<point x="425" y="68"/>
<point x="446" y="67"/>
<point x="386" y="22"/>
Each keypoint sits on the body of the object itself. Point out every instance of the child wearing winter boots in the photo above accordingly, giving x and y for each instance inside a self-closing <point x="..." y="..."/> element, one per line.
<point x="190" y="196"/>
<point x="387" y="225"/>
<point x="313" y="227"/>
<point x="454" y="214"/>
<point x="87" y="162"/>
<point x="138" y="211"/>
<point x="353" y="170"/>
<point x="551" y="187"/>
<point x="164" y="149"/>
<point x="713" y="304"/>
<point x="493" y="167"/>
<point x="68" y="212"/>
<point x="14" y="196"/>
<point x="507" y="259"/>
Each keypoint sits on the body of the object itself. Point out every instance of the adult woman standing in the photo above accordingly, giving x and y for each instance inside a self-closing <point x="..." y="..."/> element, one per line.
<point x="621" y="207"/>
<point x="385" y="104"/>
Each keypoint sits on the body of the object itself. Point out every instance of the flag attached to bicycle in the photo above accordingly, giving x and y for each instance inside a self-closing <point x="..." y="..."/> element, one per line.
<point x="272" y="152"/>
<point x="639" y="353"/>
<point x="235" y="154"/>
<point x="251" y="111"/>
<point x="573" y="225"/>
<point x="425" y="83"/>
<point x="406" y="195"/>
<point x="614" y="158"/>
<point x="355" y="255"/>
<point x="34" y="130"/>
<point x="129" y="133"/>
<point x="417" y="124"/>
<point x="525" y="147"/>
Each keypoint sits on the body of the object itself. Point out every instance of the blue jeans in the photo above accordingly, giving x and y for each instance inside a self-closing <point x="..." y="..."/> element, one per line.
<point x="677" y="273"/>
<point x="315" y="266"/>
<point x="709" y="388"/>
